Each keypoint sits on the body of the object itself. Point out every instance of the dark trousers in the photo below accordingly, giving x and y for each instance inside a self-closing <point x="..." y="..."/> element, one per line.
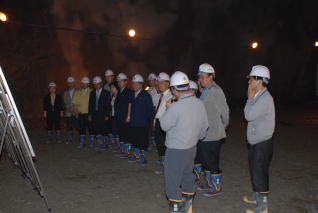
<point x="179" y="172"/>
<point x="151" y="125"/>
<point x="99" y="125"/>
<point x="210" y="155"/>
<point x="160" y="136"/>
<point x="123" y="130"/>
<point x="72" y="122"/>
<point x="112" y="124"/>
<point x="84" y="122"/>
<point x="140" y="137"/>
<point x="197" y="159"/>
<point x="259" y="157"/>
<point x="53" y="118"/>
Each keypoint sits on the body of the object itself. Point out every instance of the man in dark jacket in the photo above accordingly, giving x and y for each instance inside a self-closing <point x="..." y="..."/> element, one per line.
<point x="121" y="116"/>
<point x="141" y="108"/>
<point x="98" y="112"/>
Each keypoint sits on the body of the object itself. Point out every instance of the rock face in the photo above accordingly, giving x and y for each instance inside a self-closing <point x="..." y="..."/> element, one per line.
<point x="86" y="39"/>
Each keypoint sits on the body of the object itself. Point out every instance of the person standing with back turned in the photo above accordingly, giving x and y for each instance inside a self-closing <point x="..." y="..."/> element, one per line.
<point x="185" y="122"/>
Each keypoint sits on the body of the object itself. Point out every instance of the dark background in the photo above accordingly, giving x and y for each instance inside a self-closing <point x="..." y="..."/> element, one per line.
<point x="170" y="36"/>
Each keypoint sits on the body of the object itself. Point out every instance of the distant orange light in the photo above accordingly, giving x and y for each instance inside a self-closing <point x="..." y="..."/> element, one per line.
<point x="254" y="45"/>
<point x="132" y="33"/>
<point x="316" y="44"/>
<point x="3" y="16"/>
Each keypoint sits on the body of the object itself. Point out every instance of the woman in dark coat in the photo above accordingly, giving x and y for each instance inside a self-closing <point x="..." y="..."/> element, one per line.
<point x="53" y="112"/>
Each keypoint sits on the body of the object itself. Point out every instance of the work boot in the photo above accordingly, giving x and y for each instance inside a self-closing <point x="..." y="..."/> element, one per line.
<point x="251" y="199"/>
<point x="99" y="141"/>
<point x="58" y="136"/>
<point x="197" y="173"/>
<point x="161" y="170"/>
<point x="153" y="144"/>
<point x="111" y="140"/>
<point x="127" y="153"/>
<point x="159" y="162"/>
<point x="143" y="156"/>
<point x="91" y="140"/>
<point x="176" y="206"/>
<point x="122" y="149"/>
<point x="207" y="185"/>
<point x="82" y="142"/>
<point x="187" y="201"/>
<point x="49" y="137"/>
<point x="104" y="147"/>
<point x="215" y="182"/>
<point x="69" y="137"/>
<point x="136" y="155"/>
<point x="261" y="203"/>
<point x="117" y="145"/>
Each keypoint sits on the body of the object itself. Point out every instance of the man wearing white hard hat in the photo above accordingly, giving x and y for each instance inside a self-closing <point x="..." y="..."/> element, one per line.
<point x="154" y="94"/>
<point x="193" y="88"/>
<point x="80" y="101"/>
<point x="99" y="112"/>
<point x="141" y="108"/>
<point x="160" y="135"/>
<point x="71" y="120"/>
<point x="53" y="112"/>
<point x="259" y="111"/>
<point x="185" y="122"/>
<point x="121" y="117"/>
<point x="218" y="114"/>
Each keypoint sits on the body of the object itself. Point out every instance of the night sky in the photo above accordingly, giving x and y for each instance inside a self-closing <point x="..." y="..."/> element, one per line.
<point x="170" y="36"/>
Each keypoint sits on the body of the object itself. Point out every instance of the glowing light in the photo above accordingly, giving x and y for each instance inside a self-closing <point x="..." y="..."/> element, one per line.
<point x="254" y="45"/>
<point x="3" y="16"/>
<point x="147" y="88"/>
<point x="316" y="44"/>
<point x="132" y="33"/>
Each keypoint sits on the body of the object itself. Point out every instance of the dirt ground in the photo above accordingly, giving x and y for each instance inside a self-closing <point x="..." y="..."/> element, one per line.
<point x="87" y="181"/>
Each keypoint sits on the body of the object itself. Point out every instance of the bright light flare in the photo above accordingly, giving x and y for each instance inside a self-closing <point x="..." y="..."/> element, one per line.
<point x="132" y="33"/>
<point x="147" y="88"/>
<point x="316" y="43"/>
<point x="254" y="45"/>
<point x="3" y="16"/>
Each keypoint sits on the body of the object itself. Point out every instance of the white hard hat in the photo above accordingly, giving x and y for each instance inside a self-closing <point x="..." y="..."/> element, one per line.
<point x="179" y="80"/>
<point x="206" y="69"/>
<point x="70" y="79"/>
<point x="138" y="78"/>
<point x="52" y="84"/>
<point x="193" y="85"/>
<point x="108" y="73"/>
<point x="121" y="77"/>
<point x="85" y="80"/>
<point x="152" y="76"/>
<point x="97" y="80"/>
<point x="163" y="77"/>
<point x="260" y="71"/>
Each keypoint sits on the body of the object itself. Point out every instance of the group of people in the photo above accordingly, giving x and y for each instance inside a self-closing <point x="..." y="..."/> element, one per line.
<point x="184" y="120"/>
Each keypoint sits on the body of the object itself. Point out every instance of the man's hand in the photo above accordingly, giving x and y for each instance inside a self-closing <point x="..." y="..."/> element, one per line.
<point x="168" y="104"/>
<point x="127" y="120"/>
<point x="44" y="114"/>
<point x="70" y="109"/>
<point x="90" y="118"/>
<point x="250" y="92"/>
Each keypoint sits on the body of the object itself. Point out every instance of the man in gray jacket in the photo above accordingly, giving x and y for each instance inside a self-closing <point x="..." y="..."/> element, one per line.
<point x="70" y="116"/>
<point x="218" y="115"/>
<point x="185" y="122"/>
<point x="260" y="113"/>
